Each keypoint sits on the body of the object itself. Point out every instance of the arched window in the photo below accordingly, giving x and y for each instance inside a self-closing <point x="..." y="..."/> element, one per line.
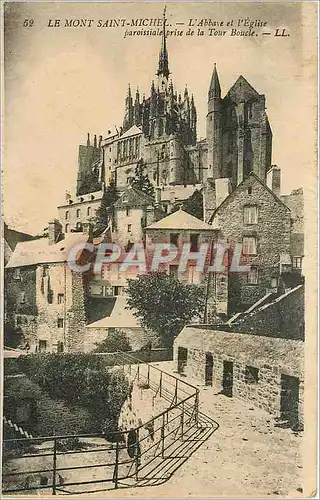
<point x="66" y="229"/>
<point x="67" y="215"/>
<point x="78" y="213"/>
<point x="88" y="210"/>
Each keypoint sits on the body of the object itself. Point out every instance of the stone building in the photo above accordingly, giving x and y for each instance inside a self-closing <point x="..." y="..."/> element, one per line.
<point x="255" y="217"/>
<point x="45" y="297"/>
<point x="266" y="372"/>
<point x="78" y="210"/>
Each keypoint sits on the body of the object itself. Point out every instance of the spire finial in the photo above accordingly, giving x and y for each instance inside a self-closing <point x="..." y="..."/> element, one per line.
<point x="163" y="67"/>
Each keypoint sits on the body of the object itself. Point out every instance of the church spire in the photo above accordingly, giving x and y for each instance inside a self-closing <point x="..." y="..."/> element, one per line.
<point x="163" y="67"/>
<point x="214" y="90"/>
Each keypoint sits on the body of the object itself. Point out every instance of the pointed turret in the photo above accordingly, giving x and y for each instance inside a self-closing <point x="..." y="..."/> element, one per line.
<point x="214" y="89"/>
<point x="128" y="113"/>
<point x="163" y="67"/>
<point x="137" y="109"/>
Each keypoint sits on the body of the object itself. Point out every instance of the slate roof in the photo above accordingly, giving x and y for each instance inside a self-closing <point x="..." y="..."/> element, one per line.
<point x="134" y="130"/>
<point x="172" y="193"/>
<point x="133" y="197"/>
<point x="181" y="220"/>
<point x="120" y="317"/>
<point x="255" y="350"/>
<point x="28" y="253"/>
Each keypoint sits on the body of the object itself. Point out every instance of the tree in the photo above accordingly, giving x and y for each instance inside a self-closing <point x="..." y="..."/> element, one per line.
<point x="116" y="341"/>
<point x="141" y="180"/>
<point x="164" y="304"/>
<point x="104" y="212"/>
<point x="193" y="205"/>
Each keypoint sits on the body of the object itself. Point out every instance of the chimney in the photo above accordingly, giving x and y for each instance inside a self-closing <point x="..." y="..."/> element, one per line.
<point x="274" y="179"/>
<point x="88" y="139"/>
<point x="100" y="141"/>
<point x="54" y="231"/>
<point x="158" y="195"/>
<point x="94" y="141"/>
<point x="223" y="189"/>
<point x="87" y="228"/>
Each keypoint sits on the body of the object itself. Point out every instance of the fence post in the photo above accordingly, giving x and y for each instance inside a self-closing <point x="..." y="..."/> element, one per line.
<point x="148" y="376"/>
<point x="137" y="454"/>
<point x="182" y="421"/>
<point x="116" y="466"/>
<point x="54" y="471"/>
<point x="196" y="406"/>
<point x="176" y="392"/>
<point x="162" y="436"/>
<point x="160" y="384"/>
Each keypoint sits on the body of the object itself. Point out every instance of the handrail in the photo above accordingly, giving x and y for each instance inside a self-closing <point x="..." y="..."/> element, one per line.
<point x="184" y="405"/>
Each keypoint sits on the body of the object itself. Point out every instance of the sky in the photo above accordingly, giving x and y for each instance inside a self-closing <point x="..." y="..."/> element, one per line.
<point x="62" y="82"/>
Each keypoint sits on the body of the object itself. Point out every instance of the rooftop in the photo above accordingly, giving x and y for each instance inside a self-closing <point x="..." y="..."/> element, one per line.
<point x="286" y="354"/>
<point x="181" y="220"/>
<point x="28" y="253"/>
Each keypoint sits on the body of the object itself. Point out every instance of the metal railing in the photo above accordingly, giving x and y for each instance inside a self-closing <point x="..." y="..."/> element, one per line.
<point x="135" y="453"/>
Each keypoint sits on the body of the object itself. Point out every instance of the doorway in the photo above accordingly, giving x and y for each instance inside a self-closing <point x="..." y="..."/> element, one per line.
<point x="209" y="369"/>
<point x="227" y="381"/>
<point x="289" y="400"/>
<point x="182" y="359"/>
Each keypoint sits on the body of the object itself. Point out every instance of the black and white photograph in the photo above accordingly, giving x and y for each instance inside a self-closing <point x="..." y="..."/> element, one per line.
<point x="159" y="249"/>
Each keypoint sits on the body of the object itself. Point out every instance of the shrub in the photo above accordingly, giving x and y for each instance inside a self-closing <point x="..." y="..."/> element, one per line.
<point x="116" y="341"/>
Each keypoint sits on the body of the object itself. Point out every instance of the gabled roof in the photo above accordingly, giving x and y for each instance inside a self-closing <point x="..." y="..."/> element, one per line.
<point x="240" y="186"/>
<point x="243" y="87"/>
<point x="132" y="196"/>
<point x="28" y="253"/>
<point x="120" y="317"/>
<point x="134" y="130"/>
<point x="181" y="220"/>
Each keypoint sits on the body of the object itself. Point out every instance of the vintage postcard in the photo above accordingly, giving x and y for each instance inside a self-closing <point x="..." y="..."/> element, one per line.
<point x="159" y="249"/>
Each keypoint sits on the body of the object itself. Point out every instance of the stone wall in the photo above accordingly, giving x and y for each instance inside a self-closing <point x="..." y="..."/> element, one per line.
<point x="137" y="337"/>
<point x="264" y="393"/>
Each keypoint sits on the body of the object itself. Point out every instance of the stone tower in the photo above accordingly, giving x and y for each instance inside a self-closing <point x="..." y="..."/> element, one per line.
<point x="214" y="127"/>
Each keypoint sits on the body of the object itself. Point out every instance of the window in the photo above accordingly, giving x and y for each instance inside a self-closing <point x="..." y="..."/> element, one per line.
<point x="249" y="190"/>
<point x="174" y="239"/>
<point x="297" y="262"/>
<point x="89" y="211"/>
<point x="60" y="347"/>
<point x="249" y="245"/>
<point x="45" y="271"/>
<point x="22" y="297"/>
<point x="230" y="142"/>
<point x="128" y="180"/>
<point x="78" y="213"/>
<point x="173" y="271"/>
<point x="129" y="228"/>
<point x="67" y="215"/>
<point x="128" y="212"/>
<point x="194" y="242"/>
<point x="251" y="375"/>
<point x="60" y="298"/>
<point x="66" y="228"/>
<point x="42" y="345"/>
<point x="253" y="276"/>
<point x="250" y="214"/>
<point x="60" y="322"/>
<point x="16" y="274"/>
<point x="250" y="108"/>
<point x="274" y="282"/>
<point x="117" y="290"/>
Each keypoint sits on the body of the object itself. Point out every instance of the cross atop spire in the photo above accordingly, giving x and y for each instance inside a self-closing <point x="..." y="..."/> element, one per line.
<point x="163" y="68"/>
